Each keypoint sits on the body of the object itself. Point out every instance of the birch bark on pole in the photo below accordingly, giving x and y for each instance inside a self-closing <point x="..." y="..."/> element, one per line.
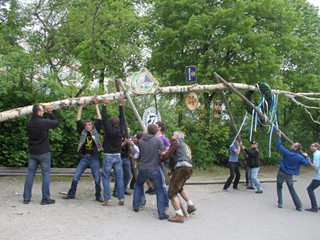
<point x="74" y="102"/>
<point x="261" y="114"/>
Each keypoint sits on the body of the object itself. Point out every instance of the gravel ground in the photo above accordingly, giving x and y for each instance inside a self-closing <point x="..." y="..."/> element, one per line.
<point x="220" y="215"/>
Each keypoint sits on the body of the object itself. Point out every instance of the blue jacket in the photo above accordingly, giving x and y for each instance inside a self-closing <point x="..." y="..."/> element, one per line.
<point x="290" y="163"/>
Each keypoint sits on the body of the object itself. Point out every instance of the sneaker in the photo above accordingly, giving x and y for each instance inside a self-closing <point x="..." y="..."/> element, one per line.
<point x="164" y="217"/>
<point x="226" y="190"/>
<point x="67" y="197"/>
<point x="312" y="210"/>
<point x="177" y="219"/>
<point x="149" y="190"/>
<point x="153" y="192"/>
<point x="279" y="205"/>
<point x="127" y="193"/>
<point x="299" y="209"/>
<point x="46" y="202"/>
<point x="136" y="209"/>
<point x="115" y="194"/>
<point x="191" y="209"/>
<point x="252" y="188"/>
<point x="121" y="202"/>
<point x="259" y="191"/>
<point x="236" y="188"/>
<point x="26" y="201"/>
<point x="106" y="202"/>
<point x="99" y="199"/>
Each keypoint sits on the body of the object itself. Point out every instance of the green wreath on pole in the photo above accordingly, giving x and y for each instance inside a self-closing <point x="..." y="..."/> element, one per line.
<point x="266" y="91"/>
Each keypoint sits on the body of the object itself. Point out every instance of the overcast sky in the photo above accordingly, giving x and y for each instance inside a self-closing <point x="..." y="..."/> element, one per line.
<point x="315" y="2"/>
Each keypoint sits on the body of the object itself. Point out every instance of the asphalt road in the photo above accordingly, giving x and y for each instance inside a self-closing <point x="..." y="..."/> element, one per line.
<point x="220" y="215"/>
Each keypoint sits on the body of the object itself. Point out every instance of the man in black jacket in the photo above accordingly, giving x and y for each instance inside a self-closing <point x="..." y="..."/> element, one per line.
<point x="114" y="131"/>
<point x="89" y="147"/>
<point x="39" y="152"/>
<point x="253" y="162"/>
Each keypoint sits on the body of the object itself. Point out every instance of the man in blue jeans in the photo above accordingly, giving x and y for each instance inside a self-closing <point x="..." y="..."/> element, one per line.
<point x="89" y="147"/>
<point x="290" y="165"/>
<point x="126" y="151"/>
<point x="150" y="149"/>
<point x="114" y="131"/>
<point x="253" y="161"/>
<point x="39" y="152"/>
<point x="315" y="183"/>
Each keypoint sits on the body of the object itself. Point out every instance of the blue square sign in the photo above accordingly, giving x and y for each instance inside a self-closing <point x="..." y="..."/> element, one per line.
<point x="191" y="75"/>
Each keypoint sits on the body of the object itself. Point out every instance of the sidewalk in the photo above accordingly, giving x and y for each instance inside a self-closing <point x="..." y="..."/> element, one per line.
<point x="220" y="215"/>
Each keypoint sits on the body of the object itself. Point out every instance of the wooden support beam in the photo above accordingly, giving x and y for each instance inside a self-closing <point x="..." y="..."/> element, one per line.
<point x="261" y="114"/>
<point x="136" y="113"/>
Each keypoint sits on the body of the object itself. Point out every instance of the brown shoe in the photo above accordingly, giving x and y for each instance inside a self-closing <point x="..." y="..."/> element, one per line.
<point x="121" y="202"/>
<point x="177" y="218"/>
<point x="106" y="202"/>
<point x="191" y="209"/>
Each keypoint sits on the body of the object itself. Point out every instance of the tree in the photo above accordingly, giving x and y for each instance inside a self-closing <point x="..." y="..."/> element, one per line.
<point x="71" y="47"/>
<point x="67" y="45"/>
<point x="244" y="41"/>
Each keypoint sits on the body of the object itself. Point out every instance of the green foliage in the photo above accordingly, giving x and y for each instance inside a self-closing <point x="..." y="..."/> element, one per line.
<point x="209" y="143"/>
<point x="13" y="143"/>
<point x="64" y="140"/>
<point x="80" y="44"/>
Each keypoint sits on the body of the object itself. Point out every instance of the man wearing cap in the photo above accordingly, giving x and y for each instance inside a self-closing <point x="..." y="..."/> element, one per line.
<point x="290" y="165"/>
<point x="253" y="161"/>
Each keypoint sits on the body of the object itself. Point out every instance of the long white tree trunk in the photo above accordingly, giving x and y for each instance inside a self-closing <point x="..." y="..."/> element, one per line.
<point x="72" y="102"/>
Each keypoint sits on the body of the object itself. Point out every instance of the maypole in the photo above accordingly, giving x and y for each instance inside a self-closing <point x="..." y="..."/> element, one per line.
<point x="74" y="102"/>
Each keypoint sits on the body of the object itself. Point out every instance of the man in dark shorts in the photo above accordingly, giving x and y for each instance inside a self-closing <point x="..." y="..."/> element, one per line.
<point x="181" y="166"/>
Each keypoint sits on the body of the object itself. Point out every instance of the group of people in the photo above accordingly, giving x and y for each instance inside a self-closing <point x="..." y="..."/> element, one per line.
<point x="147" y="151"/>
<point x="252" y="163"/>
<point x="289" y="166"/>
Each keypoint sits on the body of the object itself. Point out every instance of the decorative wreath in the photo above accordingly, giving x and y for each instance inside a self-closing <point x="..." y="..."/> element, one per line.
<point x="266" y="91"/>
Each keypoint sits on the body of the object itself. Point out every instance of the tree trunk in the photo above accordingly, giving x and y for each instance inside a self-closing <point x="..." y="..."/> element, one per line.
<point x="73" y="102"/>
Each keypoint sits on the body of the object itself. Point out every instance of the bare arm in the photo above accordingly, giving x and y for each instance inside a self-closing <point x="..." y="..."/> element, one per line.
<point x="238" y="150"/>
<point x="96" y="104"/>
<point x="79" y="113"/>
<point x="313" y="166"/>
